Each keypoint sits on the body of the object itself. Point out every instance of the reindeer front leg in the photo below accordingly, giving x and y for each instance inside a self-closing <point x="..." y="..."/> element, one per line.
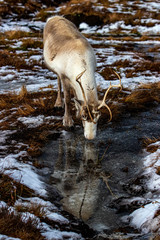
<point x="59" y="101"/>
<point x="67" y="119"/>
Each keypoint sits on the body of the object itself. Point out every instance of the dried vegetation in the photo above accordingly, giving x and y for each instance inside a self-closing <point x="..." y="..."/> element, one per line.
<point x="98" y="13"/>
<point x="13" y="106"/>
<point x="122" y="102"/>
<point x="146" y="94"/>
<point x="12" y="223"/>
<point x="12" y="190"/>
<point x="15" y="225"/>
<point x="148" y="143"/>
<point x="28" y="104"/>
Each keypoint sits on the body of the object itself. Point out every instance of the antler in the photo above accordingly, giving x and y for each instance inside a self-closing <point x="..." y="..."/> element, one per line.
<point x="77" y="79"/>
<point x="83" y="93"/>
<point x="104" y="98"/>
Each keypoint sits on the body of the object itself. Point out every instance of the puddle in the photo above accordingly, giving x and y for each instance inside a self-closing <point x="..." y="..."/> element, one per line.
<point x="93" y="176"/>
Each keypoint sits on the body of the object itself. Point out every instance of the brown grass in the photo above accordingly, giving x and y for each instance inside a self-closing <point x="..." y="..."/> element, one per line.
<point x="154" y="86"/>
<point x="124" y="102"/>
<point x="108" y="73"/>
<point x="83" y="12"/>
<point x="8" y="58"/>
<point x="16" y="34"/>
<point x="147" y="143"/>
<point x="139" y="97"/>
<point x="26" y="110"/>
<point x="23" y="92"/>
<point x="34" y="208"/>
<point x="29" y="104"/>
<point x="12" y="225"/>
<point x="85" y="9"/>
<point x="11" y="190"/>
<point x="3" y="104"/>
<point x="13" y="6"/>
<point x="142" y="99"/>
<point x="142" y="67"/>
<point x="31" y="43"/>
<point x="43" y="14"/>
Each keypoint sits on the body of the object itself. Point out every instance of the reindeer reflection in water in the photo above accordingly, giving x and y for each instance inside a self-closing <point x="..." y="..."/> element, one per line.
<point x="77" y="175"/>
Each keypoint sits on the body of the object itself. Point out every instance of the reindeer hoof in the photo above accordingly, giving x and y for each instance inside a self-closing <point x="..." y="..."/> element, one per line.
<point x="59" y="105"/>
<point x="68" y="122"/>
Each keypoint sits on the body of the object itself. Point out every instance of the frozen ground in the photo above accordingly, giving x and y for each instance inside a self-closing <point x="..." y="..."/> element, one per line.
<point x="107" y="53"/>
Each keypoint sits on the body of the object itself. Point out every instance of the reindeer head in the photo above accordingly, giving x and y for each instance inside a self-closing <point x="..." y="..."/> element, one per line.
<point x="90" y="114"/>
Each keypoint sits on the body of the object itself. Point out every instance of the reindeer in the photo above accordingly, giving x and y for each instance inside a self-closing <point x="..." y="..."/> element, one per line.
<point x="68" y="54"/>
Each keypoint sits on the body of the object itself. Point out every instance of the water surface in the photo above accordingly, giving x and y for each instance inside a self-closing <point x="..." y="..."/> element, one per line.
<point x="94" y="177"/>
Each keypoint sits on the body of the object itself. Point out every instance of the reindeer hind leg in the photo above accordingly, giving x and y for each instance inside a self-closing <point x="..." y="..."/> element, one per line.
<point x="67" y="119"/>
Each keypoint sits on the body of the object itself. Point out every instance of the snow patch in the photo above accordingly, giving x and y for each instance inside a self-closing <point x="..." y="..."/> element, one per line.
<point x="32" y="122"/>
<point x="145" y="218"/>
<point x="22" y="172"/>
<point x="4" y="237"/>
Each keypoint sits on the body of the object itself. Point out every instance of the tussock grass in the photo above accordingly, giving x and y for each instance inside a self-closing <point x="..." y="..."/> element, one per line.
<point x="26" y="110"/>
<point x="20" y="7"/>
<point x="29" y="104"/>
<point x="23" y="92"/>
<point x="12" y="224"/>
<point x="3" y="104"/>
<point x="108" y="73"/>
<point x="83" y="12"/>
<point x="88" y="12"/>
<point x="31" y="43"/>
<point x="147" y="143"/>
<point x="34" y="208"/>
<point x="139" y="97"/>
<point x="121" y="102"/>
<point x="144" y="97"/>
<point x="9" y="58"/>
<point x="143" y="67"/>
<point x="43" y="14"/>
<point x="11" y="190"/>
<point x="11" y="35"/>
<point x="16" y="34"/>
